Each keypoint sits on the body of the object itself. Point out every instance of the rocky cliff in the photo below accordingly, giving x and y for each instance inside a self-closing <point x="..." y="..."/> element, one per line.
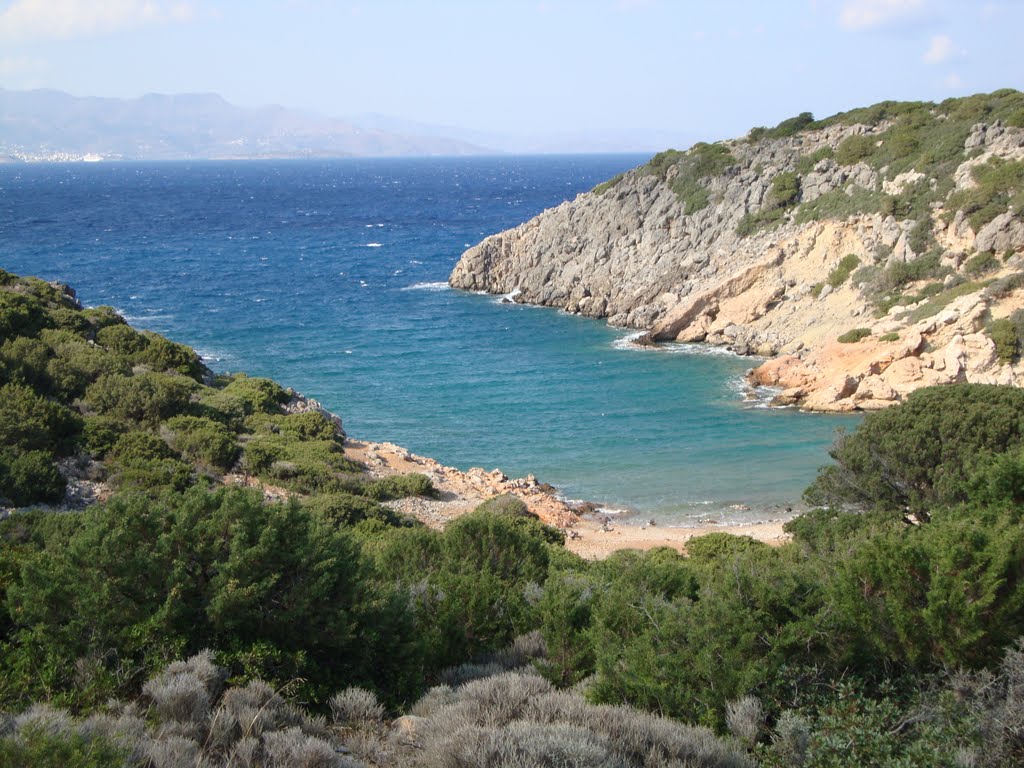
<point x="870" y="253"/>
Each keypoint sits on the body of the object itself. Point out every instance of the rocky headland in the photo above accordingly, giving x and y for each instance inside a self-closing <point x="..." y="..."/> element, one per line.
<point x="865" y="255"/>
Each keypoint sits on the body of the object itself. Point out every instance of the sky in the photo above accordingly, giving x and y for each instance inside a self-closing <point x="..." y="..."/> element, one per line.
<point x="619" y="74"/>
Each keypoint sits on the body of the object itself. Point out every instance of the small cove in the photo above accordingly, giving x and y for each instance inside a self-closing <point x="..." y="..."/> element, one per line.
<point x="329" y="276"/>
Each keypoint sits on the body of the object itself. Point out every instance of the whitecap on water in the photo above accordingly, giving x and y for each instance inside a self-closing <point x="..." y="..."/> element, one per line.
<point x="753" y="397"/>
<point x="373" y="245"/>
<point x="427" y="287"/>
<point x="627" y="342"/>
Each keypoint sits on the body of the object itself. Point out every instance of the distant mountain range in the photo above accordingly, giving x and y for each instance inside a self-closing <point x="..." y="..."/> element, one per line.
<point x="53" y="125"/>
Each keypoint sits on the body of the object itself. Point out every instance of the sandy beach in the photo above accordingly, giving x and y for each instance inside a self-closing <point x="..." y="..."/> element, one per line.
<point x="586" y="532"/>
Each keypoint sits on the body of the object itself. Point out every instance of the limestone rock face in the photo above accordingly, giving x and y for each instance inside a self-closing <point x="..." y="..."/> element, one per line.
<point x="634" y="254"/>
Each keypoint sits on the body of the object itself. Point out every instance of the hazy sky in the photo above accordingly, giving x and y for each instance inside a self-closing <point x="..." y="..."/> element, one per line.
<point x="628" y="69"/>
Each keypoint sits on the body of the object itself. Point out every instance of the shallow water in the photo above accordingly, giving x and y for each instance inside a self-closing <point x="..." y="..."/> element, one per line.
<point x="329" y="277"/>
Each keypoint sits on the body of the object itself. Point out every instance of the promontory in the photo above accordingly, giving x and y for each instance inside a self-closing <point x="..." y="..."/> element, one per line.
<point x="864" y="255"/>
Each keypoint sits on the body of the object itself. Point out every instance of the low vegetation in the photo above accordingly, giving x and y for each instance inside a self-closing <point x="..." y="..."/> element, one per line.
<point x="892" y="138"/>
<point x="853" y="335"/>
<point x="887" y="632"/>
<point x="687" y="172"/>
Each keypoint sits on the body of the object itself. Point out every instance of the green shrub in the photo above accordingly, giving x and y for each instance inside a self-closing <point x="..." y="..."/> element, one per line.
<point x="258" y="395"/>
<point x="923" y="267"/>
<point x="514" y="508"/>
<point x="225" y="407"/>
<point x="855" y="148"/>
<point x="142" y="579"/>
<point x="790" y="126"/>
<point x="840" y="204"/>
<point x="854" y="335"/>
<point x="311" y="425"/>
<point x="981" y="264"/>
<point x="807" y="162"/>
<point x="102" y="317"/>
<point x="939" y="298"/>
<point x="921" y="453"/>
<point x="700" y="162"/>
<point x="661" y="162"/>
<point x="400" y="486"/>
<point x="133" y="447"/>
<point x="712" y="546"/>
<point x="162" y="355"/>
<point x="20" y="315"/>
<point x="946" y="593"/>
<point x="504" y="504"/>
<point x="922" y="236"/>
<point x="843" y="270"/>
<point x="76" y="364"/>
<point x="306" y="466"/>
<point x="604" y="186"/>
<point x="24" y="360"/>
<point x="100" y="434"/>
<point x="203" y="441"/>
<point x="1000" y="185"/>
<point x="29" y="477"/>
<point x="1004" y="336"/>
<point x="153" y="476"/>
<point x="782" y="195"/>
<point x="42" y="747"/>
<point x="29" y="422"/>
<point x="148" y="398"/>
<point x="122" y="340"/>
<point x="891" y="336"/>
<point x="349" y="509"/>
<point x="1004" y="286"/>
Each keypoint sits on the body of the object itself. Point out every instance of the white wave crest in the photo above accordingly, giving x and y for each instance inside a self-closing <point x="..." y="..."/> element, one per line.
<point x="427" y="287"/>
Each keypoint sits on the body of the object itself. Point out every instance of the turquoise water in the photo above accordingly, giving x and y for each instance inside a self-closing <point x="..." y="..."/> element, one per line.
<point x="329" y="276"/>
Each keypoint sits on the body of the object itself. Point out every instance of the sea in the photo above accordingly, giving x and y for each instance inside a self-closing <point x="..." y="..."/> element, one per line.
<point x="330" y="277"/>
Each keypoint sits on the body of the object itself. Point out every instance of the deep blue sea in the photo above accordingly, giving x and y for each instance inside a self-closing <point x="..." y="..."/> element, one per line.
<point x="329" y="277"/>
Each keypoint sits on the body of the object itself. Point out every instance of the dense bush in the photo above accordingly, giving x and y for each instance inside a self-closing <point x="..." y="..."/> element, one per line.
<point x="163" y="355"/>
<point x="922" y="452"/>
<point x="257" y="394"/>
<point x="470" y="586"/>
<point x="981" y="263"/>
<point x="206" y="443"/>
<point x="855" y="148"/>
<point x="1007" y="333"/>
<point x="121" y="340"/>
<point x="400" y="486"/>
<point x="29" y="477"/>
<point x="29" y="422"/>
<point x="853" y="335"/>
<point x="21" y="315"/>
<point x="842" y="271"/>
<point x="140" y="581"/>
<point x="999" y="185"/>
<point x="345" y="509"/>
<point x="146" y="399"/>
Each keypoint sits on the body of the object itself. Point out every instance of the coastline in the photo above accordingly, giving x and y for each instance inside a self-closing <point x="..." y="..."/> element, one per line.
<point x="461" y="492"/>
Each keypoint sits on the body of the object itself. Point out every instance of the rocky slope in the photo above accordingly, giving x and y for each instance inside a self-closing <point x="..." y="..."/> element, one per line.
<point x="901" y="221"/>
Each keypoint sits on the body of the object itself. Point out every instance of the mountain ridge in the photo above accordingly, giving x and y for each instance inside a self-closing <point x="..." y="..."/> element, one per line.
<point x="49" y="124"/>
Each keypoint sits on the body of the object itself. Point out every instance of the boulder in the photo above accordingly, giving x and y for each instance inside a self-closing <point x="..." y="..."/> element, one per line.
<point x="1005" y="233"/>
<point x="786" y="371"/>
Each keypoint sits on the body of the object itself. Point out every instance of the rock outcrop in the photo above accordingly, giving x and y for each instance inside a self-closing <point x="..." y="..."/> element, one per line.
<point x="639" y="253"/>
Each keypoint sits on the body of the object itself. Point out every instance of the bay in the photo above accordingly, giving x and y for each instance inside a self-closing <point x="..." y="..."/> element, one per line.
<point x="329" y="277"/>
